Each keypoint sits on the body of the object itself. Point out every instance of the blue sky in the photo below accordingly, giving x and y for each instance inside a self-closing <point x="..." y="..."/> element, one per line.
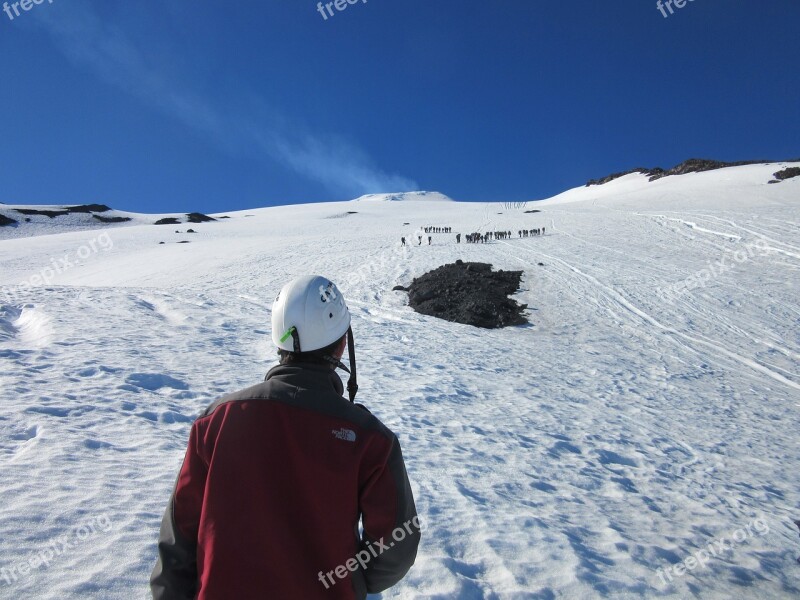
<point x="176" y="105"/>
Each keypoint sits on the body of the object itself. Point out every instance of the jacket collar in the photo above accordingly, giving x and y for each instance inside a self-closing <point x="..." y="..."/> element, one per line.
<point x="313" y="375"/>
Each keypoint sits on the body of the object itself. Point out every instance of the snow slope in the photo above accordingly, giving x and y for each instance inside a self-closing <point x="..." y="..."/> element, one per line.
<point x="61" y="220"/>
<point x="29" y="225"/>
<point x="405" y="197"/>
<point x="650" y="410"/>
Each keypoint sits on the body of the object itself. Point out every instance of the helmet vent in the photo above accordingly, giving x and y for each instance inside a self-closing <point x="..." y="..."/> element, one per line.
<point x="310" y="304"/>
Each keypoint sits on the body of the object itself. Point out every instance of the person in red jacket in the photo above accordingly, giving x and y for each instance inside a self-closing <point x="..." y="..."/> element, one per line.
<point x="288" y="490"/>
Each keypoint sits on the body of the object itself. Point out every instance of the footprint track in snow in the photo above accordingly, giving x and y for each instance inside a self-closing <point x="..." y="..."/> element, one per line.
<point x="27" y="325"/>
<point x="619" y="299"/>
<point x="19" y="440"/>
<point x="161" y="309"/>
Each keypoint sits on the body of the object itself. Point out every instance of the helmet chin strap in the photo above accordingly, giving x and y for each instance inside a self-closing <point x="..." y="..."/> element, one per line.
<point x="352" y="383"/>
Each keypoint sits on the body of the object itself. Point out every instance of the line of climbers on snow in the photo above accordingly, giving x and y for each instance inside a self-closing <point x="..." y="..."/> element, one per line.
<point x="476" y="238"/>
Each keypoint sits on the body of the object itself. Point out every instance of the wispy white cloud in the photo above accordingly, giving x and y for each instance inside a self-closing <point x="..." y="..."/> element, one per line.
<point x="262" y="132"/>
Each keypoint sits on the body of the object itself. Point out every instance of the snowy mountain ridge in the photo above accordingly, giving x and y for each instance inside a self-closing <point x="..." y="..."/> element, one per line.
<point x="405" y="197"/>
<point x="32" y="220"/>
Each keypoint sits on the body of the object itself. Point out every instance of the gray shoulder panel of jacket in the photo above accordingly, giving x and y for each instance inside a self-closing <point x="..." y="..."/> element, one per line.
<point x="175" y="574"/>
<point x="391" y="565"/>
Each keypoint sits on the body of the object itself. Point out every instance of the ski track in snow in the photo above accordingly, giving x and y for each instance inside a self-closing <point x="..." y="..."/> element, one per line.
<point x="572" y="458"/>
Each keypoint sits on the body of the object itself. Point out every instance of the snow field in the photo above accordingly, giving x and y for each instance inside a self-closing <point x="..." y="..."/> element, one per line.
<point x="618" y="435"/>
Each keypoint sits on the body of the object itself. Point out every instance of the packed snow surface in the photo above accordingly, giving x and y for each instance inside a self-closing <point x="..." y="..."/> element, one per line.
<point x="647" y="418"/>
<point x="406" y="197"/>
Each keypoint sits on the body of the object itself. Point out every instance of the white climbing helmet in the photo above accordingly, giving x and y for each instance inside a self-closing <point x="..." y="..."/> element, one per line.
<point x="308" y="314"/>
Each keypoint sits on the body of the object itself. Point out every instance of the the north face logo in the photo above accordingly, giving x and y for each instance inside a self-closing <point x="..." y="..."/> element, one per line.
<point x="347" y="435"/>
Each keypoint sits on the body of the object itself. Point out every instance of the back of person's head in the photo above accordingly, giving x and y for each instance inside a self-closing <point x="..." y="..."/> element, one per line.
<point x="309" y="320"/>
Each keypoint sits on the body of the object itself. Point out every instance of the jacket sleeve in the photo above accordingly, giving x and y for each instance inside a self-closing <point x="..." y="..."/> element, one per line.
<point x="391" y="528"/>
<point x="175" y="574"/>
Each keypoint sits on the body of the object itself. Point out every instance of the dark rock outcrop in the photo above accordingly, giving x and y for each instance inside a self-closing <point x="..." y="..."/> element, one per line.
<point x="47" y="213"/>
<point x="613" y="176"/>
<point x="88" y="208"/>
<point x="199" y="218"/>
<point x="787" y="173"/>
<point x="168" y="221"/>
<point x="698" y="165"/>
<point x="693" y="165"/>
<point x="5" y="221"/>
<point x="111" y="219"/>
<point x="468" y="293"/>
